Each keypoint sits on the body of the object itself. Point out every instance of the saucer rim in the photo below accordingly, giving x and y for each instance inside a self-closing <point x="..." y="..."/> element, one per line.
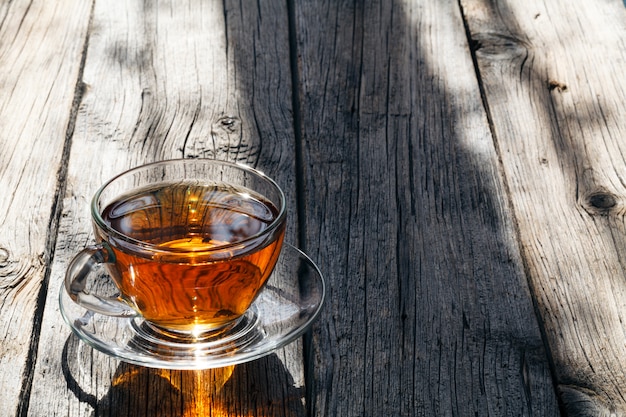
<point x="193" y="363"/>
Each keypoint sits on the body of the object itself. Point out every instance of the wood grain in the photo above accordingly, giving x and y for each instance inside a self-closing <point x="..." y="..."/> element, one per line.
<point x="456" y="169"/>
<point x="553" y="79"/>
<point x="429" y="310"/>
<point x="37" y="89"/>
<point x="166" y="80"/>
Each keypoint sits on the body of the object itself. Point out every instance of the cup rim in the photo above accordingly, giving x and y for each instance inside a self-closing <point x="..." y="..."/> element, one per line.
<point x="278" y="221"/>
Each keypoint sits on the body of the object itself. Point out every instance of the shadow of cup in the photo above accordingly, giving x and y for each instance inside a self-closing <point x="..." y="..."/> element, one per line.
<point x="260" y="388"/>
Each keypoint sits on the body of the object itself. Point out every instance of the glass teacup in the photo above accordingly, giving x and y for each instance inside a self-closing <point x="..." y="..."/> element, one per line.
<point x="188" y="243"/>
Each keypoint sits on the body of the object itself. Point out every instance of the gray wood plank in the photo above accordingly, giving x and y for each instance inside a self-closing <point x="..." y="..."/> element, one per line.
<point x="429" y="311"/>
<point x="39" y="62"/>
<point x="173" y="79"/>
<point x="553" y="77"/>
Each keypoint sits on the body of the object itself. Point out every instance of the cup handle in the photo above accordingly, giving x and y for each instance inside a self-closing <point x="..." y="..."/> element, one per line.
<point x="81" y="268"/>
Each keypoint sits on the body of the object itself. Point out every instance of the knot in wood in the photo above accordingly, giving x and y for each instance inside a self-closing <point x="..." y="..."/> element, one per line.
<point x="602" y="201"/>
<point x="4" y="255"/>
<point x="496" y="46"/>
<point x="228" y="123"/>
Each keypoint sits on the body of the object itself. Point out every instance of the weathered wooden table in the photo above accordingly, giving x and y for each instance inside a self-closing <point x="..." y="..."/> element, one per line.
<point x="457" y="169"/>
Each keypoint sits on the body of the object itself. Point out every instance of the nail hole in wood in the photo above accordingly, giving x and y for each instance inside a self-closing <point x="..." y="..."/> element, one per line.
<point x="555" y="85"/>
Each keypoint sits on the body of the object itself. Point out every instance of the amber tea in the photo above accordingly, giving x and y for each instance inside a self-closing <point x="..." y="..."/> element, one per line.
<point x="206" y="256"/>
<point x="189" y="244"/>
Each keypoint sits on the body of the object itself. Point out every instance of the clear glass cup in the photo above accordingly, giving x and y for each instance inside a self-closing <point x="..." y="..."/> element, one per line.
<point x="189" y="244"/>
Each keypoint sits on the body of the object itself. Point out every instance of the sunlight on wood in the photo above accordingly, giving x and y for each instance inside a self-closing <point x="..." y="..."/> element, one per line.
<point x="197" y="390"/>
<point x="200" y="397"/>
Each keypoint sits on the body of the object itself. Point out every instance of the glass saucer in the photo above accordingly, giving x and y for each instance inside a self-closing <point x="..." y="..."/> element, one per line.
<point x="283" y="310"/>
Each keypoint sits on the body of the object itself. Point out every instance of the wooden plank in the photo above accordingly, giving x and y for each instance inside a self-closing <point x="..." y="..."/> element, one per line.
<point x="163" y="80"/>
<point x="559" y="66"/>
<point x="40" y="56"/>
<point x="429" y="312"/>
